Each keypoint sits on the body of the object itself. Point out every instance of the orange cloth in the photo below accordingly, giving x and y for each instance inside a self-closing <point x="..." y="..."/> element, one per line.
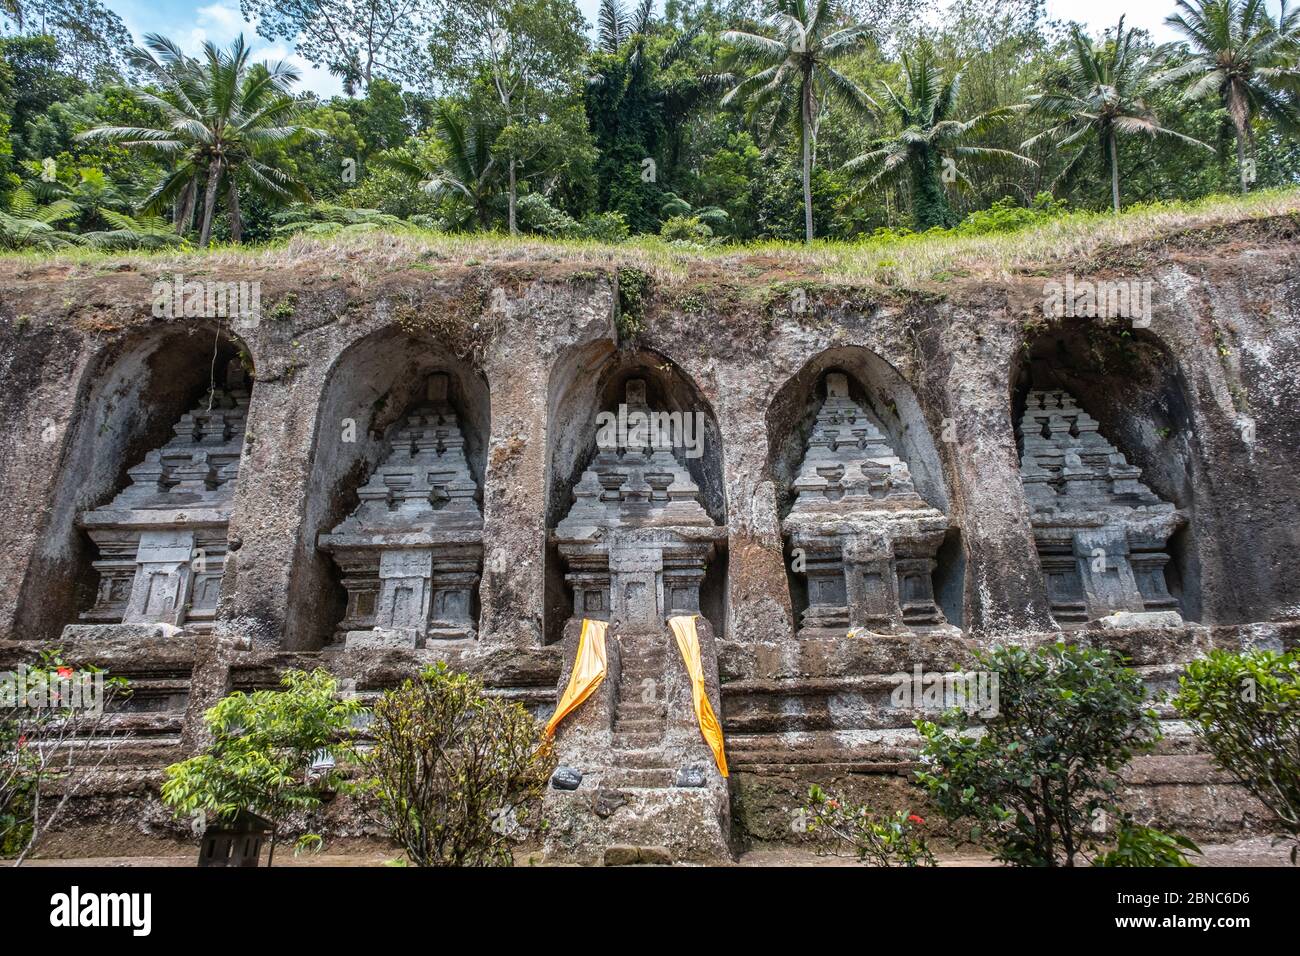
<point x="688" y="642"/>
<point x="588" y="671"/>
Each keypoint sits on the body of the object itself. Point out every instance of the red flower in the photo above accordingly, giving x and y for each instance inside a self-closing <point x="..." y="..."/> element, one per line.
<point x="913" y="818"/>
<point x="22" y="741"/>
<point x="65" y="672"/>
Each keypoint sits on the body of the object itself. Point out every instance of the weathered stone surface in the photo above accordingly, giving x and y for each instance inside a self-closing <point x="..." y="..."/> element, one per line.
<point x="1101" y="533"/>
<point x="1202" y="402"/>
<point x="1126" y="619"/>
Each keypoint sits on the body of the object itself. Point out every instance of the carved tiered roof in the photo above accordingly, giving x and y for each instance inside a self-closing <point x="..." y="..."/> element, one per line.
<point x="634" y="481"/>
<point x="849" y="466"/>
<point x="1067" y="465"/>
<point x="198" y="467"/>
<point x="424" y="483"/>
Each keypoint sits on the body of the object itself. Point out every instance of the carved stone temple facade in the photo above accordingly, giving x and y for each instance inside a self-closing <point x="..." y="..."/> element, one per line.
<point x="162" y="541"/>
<point x="637" y="542"/>
<point x="860" y="534"/>
<point x="1102" y="535"/>
<point x="411" y="552"/>
<point x="475" y="522"/>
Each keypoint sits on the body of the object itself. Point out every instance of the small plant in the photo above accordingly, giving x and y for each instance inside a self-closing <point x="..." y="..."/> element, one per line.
<point x="48" y="714"/>
<point x="1245" y="708"/>
<point x="284" y="308"/>
<point x="265" y="755"/>
<point x="456" y="774"/>
<point x="1147" y="847"/>
<point x="1069" y="720"/>
<point x="633" y="294"/>
<point x="894" y="841"/>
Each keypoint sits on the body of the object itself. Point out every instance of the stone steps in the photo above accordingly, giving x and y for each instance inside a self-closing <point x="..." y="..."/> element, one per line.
<point x="638" y="725"/>
<point x="642" y="759"/>
<point x="640" y="778"/>
<point x="625" y="740"/>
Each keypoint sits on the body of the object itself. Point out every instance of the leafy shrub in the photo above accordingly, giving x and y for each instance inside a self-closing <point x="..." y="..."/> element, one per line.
<point x="1148" y="847"/>
<point x="608" y="227"/>
<point x="1245" y="708"/>
<point x="48" y="712"/>
<point x="894" y="841"/>
<point x="1069" y="719"/>
<point x="264" y="754"/>
<point x="325" y="219"/>
<point x="685" y="229"/>
<point x="536" y="214"/>
<point x="455" y="773"/>
<point x="1006" y="215"/>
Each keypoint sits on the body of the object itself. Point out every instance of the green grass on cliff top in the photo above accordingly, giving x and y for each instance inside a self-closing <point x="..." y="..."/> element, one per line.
<point x="892" y="260"/>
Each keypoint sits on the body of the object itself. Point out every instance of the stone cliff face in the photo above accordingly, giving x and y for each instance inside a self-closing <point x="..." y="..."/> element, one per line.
<point x="1194" y="409"/>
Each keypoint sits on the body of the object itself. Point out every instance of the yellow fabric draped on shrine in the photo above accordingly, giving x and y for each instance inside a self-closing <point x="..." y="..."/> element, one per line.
<point x="588" y="671"/>
<point x="688" y="642"/>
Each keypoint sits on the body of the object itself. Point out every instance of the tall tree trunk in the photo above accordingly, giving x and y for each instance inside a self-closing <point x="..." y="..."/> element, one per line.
<point x="807" y="159"/>
<point x="209" y="203"/>
<point x="236" y="218"/>
<point x="1241" y="124"/>
<point x="185" y="207"/>
<point x="1114" y="171"/>
<point x="930" y="205"/>
<point x="514" y="229"/>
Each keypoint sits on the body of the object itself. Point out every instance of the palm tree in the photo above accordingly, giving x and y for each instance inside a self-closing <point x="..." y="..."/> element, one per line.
<point x="615" y="25"/>
<point x="26" y="223"/>
<point x="1246" y="60"/>
<point x="224" y="117"/>
<point x="794" y="67"/>
<point x="464" y="168"/>
<point x="927" y="135"/>
<point x="1100" y="97"/>
<point x="14" y="10"/>
<point x="638" y="106"/>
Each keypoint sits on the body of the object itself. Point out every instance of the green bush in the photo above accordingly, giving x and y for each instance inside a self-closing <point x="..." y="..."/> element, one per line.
<point x="455" y="774"/>
<point x="264" y="752"/>
<point x="1147" y="847"/>
<point x="1006" y="215"/>
<point x="686" y="229"/>
<point x="1245" y="708"/>
<point x="608" y="227"/>
<point x="894" y="841"/>
<point x="1069" y="719"/>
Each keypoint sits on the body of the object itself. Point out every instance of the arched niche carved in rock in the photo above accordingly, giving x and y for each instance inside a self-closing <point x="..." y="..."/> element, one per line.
<point x="391" y="546"/>
<point x="862" y="501"/>
<point x="139" y="525"/>
<point x="1108" y="458"/>
<point x="649" y="501"/>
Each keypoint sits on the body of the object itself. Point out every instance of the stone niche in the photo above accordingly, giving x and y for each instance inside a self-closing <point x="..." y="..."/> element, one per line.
<point x="858" y="532"/>
<point x="411" y="553"/>
<point x="1102" y="535"/>
<point x="636" y="540"/>
<point x="162" y="541"/>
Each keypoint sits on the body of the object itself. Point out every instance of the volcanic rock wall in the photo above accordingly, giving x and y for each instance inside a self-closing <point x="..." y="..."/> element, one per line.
<point x="1200" y="395"/>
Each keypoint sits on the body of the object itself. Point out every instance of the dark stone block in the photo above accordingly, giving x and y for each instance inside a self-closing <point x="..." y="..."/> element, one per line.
<point x="566" y="778"/>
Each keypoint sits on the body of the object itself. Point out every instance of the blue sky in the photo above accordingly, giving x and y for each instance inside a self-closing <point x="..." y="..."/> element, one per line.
<point x="190" y="22"/>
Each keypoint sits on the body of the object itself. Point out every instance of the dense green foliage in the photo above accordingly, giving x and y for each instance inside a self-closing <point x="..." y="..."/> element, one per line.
<point x="1245" y="708"/>
<point x="455" y="774"/>
<point x="720" y="121"/>
<point x="266" y="754"/>
<point x="1146" y="847"/>
<point x="1034" y="781"/>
